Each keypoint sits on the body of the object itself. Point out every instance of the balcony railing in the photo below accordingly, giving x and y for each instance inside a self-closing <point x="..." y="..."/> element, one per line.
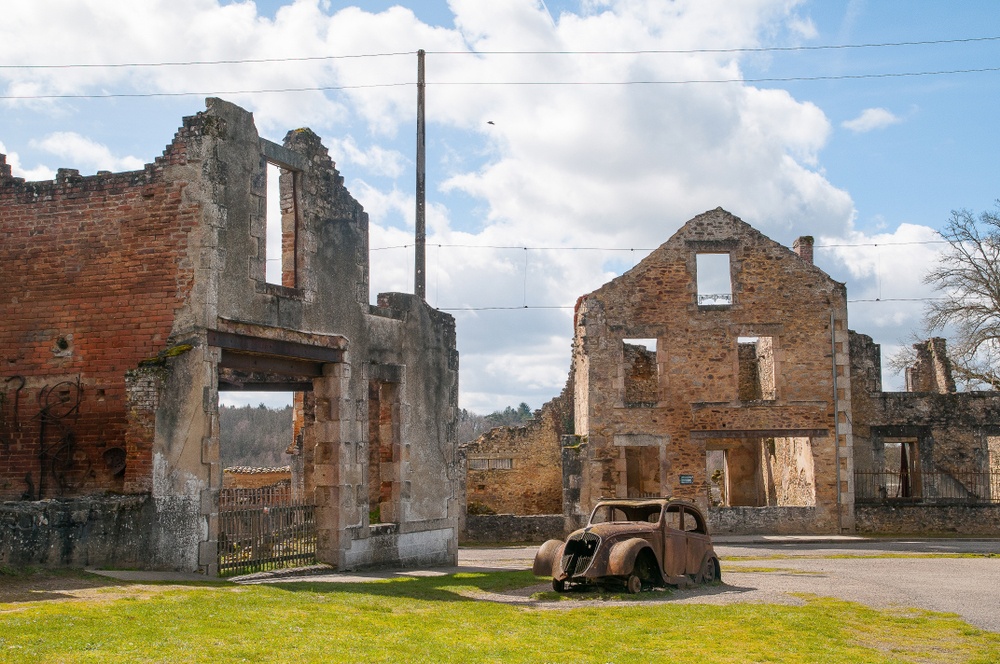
<point x="926" y="487"/>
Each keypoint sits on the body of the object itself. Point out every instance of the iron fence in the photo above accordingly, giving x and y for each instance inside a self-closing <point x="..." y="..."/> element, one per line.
<point x="261" y="530"/>
<point x="926" y="487"/>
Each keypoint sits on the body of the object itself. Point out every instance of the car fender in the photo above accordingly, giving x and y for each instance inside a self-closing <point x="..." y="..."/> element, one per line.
<point x="548" y="557"/>
<point x="621" y="560"/>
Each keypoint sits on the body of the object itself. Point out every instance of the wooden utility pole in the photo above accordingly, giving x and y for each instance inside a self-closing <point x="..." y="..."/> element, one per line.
<point x="420" y="251"/>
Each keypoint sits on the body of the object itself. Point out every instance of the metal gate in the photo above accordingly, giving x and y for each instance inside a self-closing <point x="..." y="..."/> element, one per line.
<point x="263" y="529"/>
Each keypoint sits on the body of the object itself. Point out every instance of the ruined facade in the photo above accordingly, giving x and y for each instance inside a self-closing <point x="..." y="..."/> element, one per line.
<point x="132" y="299"/>
<point x="716" y="370"/>
<point x="721" y="369"/>
<point x="921" y="451"/>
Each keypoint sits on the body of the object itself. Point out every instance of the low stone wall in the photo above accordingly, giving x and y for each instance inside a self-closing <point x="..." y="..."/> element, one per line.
<point x="493" y="528"/>
<point x="81" y="532"/>
<point x="762" y="520"/>
<point x="903" y="519"/>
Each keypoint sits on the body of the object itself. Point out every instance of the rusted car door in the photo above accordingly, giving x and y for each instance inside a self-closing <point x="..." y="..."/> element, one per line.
<point x="674" y="542"/>
<point x="696" y="540"/>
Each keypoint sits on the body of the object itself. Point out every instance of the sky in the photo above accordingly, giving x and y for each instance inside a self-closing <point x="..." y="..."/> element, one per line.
<point x="566" y="139"/>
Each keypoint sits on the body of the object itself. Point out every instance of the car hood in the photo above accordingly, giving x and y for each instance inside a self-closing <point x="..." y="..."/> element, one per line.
<point x="608" y="530"/>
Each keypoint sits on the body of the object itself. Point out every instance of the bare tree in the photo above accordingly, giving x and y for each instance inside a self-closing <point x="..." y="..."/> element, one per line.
<point x="968" y="280"/>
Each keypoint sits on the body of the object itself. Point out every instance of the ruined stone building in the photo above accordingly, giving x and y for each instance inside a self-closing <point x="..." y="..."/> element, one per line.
<point x="927" y="459"/>
<point x="719" y="362"/>
<point x="721" y="369"/>
<point x="132" y="299"/>
<point x="716" y="369"/>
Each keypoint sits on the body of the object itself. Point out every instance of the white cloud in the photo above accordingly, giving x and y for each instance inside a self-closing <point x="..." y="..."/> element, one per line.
<point x="82" y="153"/>
<point x="884" y="272"/>
<point x="36" y="174"/>
<point x="563" y="165"/>
<point x="374" y="159"/>
<point x="870" y="120"/>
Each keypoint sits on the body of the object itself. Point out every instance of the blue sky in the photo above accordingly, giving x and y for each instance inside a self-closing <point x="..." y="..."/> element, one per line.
<point x="870" y="165"/>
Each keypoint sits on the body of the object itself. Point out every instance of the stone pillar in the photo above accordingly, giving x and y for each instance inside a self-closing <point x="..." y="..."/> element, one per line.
<point x="331" y="412"/>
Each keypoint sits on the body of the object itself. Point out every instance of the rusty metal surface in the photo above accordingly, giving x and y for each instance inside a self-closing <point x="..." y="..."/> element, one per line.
<point x="623" y="533"/>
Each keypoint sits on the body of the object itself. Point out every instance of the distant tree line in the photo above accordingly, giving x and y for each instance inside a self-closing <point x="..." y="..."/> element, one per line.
<point x="254" y="436"/>
<point x="257" y="436"/>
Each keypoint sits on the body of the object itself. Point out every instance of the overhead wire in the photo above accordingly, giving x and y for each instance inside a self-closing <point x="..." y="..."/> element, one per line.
<point x="314" y="58"/>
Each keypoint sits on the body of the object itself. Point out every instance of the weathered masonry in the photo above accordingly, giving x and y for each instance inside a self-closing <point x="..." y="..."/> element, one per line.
<point x="717" y="370"/>
<point x="721" y="369"/>
<point x="132" y="299"/>
<point x="927" y="459"/>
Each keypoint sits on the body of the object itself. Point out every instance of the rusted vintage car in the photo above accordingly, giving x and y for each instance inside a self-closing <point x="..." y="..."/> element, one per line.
<point x="638" y="543"/>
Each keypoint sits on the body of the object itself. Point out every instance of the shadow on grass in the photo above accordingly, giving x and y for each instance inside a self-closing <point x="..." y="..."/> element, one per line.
<point x="46" y="585"/>
<point x="498" y="587"/>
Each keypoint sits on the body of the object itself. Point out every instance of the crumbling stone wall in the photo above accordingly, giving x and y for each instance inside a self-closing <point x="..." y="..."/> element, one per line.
<point x="138" y="296"/>
<point x="92" y="531"/>
<point x="779" y="298"/>
<point x="950" y="440"/>
<point x="532" y="484"/>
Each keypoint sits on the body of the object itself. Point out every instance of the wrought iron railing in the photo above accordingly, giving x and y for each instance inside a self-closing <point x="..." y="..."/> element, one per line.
<point x="261" y="530"/>
<point x="715" y="299"/>
<point x="232" y="498"/>
<point x="926" y="487"/>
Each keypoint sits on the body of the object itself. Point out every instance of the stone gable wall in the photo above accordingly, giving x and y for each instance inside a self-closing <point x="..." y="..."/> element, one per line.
<point x="775" y="294"/>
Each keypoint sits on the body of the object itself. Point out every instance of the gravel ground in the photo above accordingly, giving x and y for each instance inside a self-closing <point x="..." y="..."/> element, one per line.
<point x="969" y="587"/>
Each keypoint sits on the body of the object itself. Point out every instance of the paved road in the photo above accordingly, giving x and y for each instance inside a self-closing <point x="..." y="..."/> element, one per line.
<point x="969" y="587"/>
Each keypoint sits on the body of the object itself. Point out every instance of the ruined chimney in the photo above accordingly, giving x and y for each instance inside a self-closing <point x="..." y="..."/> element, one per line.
<point x="4" y="167"/>
<point x="932" y="370"/>
<point x="804" y="248"/>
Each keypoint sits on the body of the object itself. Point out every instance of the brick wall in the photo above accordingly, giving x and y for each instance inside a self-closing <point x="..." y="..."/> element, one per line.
<point x="94" y="270"/>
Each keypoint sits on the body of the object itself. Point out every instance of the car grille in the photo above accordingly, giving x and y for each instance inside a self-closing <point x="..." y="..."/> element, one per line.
<point x="579" y="553"/>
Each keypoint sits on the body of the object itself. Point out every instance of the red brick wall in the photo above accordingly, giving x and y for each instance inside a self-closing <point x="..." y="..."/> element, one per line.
<point x="93" y="271"/>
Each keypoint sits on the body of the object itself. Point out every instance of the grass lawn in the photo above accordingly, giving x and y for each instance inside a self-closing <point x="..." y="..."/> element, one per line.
<point x="435" y="620"/>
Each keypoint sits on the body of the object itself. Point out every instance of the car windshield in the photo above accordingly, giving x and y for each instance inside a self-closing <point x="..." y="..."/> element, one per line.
<point x="615" y="513"/>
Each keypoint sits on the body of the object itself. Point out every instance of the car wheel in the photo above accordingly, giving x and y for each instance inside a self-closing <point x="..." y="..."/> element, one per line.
<point x="709" y="571"/>
<point x="633" y="584"/>
<point x="559" y="585"/>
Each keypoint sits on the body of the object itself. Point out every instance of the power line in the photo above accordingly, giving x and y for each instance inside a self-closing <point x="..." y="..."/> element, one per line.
<point x="512" y="247"/>
<point x="786" y="79"/>
<point x="121" y="95"/>
<point x="321" y="88"/>
<point x="758" y="49"/>
<point x="194" y="63"/>
<point x="315" y="58"/>
<point x="528" y="307"/>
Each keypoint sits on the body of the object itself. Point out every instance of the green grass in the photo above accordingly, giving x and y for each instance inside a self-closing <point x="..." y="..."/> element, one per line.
<point x="434" y="620"/>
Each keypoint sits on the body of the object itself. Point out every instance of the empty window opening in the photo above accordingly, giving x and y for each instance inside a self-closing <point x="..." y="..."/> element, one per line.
<point x="255" y="443"/>
<point x="383" y="452"/>
<point x="281" y="214"/>
<point x="715" y="466"/>
<point x="640" y="372"/>
<point x="756" y="368"/>
<point x="642" y="471"/>
<point x="901" y="477"/>
<point x="715" y="286"/>
<point x="761" y="472"/>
